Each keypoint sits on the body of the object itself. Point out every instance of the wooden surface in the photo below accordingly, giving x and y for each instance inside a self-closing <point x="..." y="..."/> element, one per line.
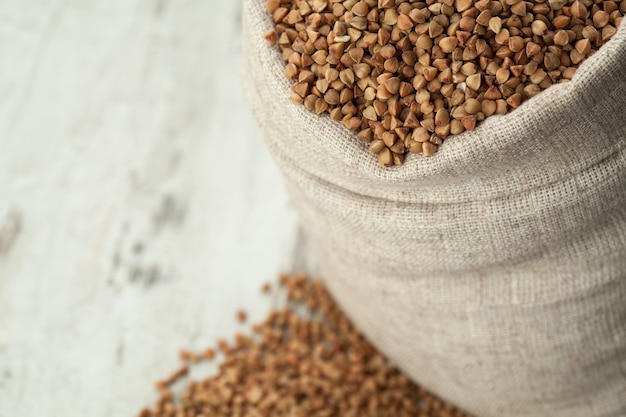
<point x="138" y="206"/>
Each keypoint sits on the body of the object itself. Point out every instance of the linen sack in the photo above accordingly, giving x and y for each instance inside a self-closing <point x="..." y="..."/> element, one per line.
<point x="494" y="272"/>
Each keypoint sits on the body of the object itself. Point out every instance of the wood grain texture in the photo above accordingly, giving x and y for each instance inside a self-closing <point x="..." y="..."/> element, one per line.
<point x="138" y="206"/>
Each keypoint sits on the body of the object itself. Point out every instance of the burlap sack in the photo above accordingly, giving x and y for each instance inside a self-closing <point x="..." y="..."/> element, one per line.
<point x="493" y="273"/>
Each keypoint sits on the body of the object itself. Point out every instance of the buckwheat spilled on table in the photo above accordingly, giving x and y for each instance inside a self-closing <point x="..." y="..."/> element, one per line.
<point x="405" y="75"/>
<point x="306" y="360"/>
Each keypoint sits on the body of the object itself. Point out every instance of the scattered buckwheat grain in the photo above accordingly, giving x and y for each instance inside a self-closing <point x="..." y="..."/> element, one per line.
<point x="313" y="363"/>
<point x="241" y="316"/>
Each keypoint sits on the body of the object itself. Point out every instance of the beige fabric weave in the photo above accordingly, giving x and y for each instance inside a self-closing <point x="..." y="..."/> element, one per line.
<point x="493" y="273"/>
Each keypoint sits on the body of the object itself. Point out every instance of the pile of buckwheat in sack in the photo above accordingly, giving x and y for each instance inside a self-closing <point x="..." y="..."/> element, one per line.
<point x="406" y="75"/>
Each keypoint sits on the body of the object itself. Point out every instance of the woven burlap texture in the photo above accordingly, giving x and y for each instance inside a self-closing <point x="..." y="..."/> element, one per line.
<point x="493" y="273"/>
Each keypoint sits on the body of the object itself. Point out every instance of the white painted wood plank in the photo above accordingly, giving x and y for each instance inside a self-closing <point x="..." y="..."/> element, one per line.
<point x="138" y="206"/>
